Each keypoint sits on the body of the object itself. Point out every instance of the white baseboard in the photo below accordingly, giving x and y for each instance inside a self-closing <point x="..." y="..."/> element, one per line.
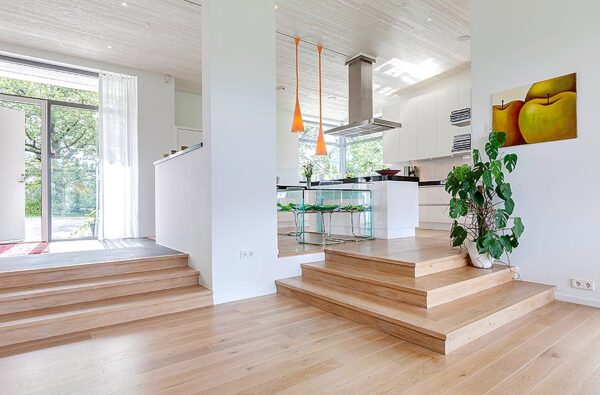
<point x="578" y="300"/>
<point x="244" y="295"/>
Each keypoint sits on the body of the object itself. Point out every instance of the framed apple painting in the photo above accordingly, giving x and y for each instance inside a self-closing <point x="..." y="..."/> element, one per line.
<point x="544" y="111"/>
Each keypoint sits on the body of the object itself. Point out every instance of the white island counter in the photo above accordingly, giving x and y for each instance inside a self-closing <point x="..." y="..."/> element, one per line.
<point x="395" y="208"/>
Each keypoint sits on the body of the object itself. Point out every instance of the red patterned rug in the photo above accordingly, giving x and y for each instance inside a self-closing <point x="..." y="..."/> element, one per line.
<point x="16" y="249"/>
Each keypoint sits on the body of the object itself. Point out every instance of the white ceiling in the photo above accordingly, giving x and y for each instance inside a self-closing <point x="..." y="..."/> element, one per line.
<point x="163" y="36"/>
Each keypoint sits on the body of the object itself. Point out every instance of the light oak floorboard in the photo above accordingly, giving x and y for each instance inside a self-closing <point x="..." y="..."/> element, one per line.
<point x="275" y="344"/>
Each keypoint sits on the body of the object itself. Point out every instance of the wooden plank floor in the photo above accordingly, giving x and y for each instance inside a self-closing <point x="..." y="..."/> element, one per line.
<point x="113" y="250"/>
<point x="288" y="246"/>
<point x="275" y="344"/>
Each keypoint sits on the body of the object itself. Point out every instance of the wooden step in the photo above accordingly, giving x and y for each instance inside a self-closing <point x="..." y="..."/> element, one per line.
<point x="40" y="324"/>
<point x="443" y="328"/>
<point x="427" y="291"/>
<point x="62" y="293"/>
<point x="409" y="263"/>
<point x="45" y="275"/>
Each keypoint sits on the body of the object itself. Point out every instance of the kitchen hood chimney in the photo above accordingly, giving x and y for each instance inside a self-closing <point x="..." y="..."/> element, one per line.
<point x="360" y="102"/>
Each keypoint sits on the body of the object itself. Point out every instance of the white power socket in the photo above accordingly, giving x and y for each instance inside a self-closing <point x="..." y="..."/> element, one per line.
<point x="588" y="285"/>
<point x="246" y="254"/>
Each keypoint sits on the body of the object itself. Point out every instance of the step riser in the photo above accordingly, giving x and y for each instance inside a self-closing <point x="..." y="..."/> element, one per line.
<point x="77" y="323"/>
<point x="78" y="272"/>
<point x="74" y="296"/>
<point x="469" y="287"/>
<point x="363" y="286"/>
<point x="492" y="322"/>
<point x="426" y="300"/>
<point x="396" y="268"/>
<point x="410" y="335"/>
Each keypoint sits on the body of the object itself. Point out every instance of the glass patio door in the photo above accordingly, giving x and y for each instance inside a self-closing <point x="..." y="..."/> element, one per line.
<point x="34" y="178"/>
<point x="73" y="175"/>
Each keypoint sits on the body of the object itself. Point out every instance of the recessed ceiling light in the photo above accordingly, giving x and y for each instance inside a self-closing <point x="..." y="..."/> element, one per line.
<point x="276" y="6"/>
<point x="124" y="4"/>
<point x="464" y="37"/>
<point x="429" y="19"/>
<point x="109" y="46"/>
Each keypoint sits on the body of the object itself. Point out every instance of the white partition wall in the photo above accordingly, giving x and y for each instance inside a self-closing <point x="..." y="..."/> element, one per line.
<point x="239" y="117"/>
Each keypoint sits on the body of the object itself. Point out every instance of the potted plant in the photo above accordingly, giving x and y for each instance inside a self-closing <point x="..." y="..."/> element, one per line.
<point x="483" y="200"/>
<point x="307" y="172"/>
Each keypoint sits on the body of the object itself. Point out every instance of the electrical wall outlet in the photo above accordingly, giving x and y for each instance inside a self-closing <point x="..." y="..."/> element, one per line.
<point x="588" y="285"/>
<point x="246" y="254"/>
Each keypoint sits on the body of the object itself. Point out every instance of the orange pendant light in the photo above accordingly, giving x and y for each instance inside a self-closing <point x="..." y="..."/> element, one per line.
<point x="297" y="123"/>
<point x="321" y="146"/>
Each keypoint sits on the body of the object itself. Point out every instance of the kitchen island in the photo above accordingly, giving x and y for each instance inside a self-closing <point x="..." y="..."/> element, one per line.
<point x="392" y="207"/>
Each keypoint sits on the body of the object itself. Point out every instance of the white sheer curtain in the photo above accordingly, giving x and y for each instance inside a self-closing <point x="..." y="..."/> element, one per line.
<point x="118" y="185"/>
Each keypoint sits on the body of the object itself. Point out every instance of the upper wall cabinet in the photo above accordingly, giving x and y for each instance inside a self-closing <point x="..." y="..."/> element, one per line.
<point x="400" y="144"/>
<point x="426" y="129"/>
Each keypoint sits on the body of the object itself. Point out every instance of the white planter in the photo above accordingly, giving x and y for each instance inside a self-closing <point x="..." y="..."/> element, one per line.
<point x="483" y="261"/>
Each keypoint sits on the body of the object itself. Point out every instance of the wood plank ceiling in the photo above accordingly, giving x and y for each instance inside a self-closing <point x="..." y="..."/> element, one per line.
<point x="411" y="39"/>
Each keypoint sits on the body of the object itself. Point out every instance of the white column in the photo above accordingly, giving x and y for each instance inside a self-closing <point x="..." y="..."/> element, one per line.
<point x="239" y="124"/>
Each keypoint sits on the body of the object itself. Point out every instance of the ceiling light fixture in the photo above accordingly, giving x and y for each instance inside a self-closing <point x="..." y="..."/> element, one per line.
<point x="109" y="46"/>
<point x="276" y="6"/>
<point x="321" y="148"/>
<point x="124" y="4"/>
<point x="297" y="123"/>
<point x="429" y="19"/>
<point x="280" y="88"/>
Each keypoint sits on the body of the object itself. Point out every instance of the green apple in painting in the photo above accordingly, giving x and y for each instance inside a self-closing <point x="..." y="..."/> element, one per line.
<point x="505" y="119"/>
<point x="553" y="86"/>
<point x="548" y="119"/>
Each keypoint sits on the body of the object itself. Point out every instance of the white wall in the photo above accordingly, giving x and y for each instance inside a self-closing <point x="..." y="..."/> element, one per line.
<point x="287" y="148"/>
<point x="188" y="110"/>
<point x="239" y="124"/>
<point x="156" y="118"/>
<point x="555" y="185"/>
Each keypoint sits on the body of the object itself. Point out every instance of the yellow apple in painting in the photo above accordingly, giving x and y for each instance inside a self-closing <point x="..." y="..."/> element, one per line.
<point x="505" y="118"/>
<point x="553" y="86"/>
<point x="549" y="119"/>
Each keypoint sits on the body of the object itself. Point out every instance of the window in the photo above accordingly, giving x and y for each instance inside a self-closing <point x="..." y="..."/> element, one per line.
<point x="355" y="156"/>
<point x="326" y="167"/>
<point x="364" y="154"/>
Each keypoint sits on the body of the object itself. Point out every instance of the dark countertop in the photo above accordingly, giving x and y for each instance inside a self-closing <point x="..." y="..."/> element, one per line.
<point x="432" y="183"/>
<point x="357" y="180"/>
<point x="354" y="180"/>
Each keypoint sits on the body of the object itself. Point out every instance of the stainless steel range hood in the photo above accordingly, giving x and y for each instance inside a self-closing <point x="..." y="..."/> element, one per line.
<point x="360" y="102"/>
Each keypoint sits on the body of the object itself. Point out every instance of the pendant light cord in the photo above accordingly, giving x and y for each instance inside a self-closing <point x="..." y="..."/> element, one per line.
<point x="297" y="41"/>
<point x="320" y="48"/>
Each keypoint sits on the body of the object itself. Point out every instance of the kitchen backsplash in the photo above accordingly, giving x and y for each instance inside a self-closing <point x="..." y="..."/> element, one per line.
<point x="435" y="169"/>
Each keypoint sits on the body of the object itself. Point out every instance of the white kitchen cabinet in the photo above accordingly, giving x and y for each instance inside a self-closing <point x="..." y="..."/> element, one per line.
<point x="433" y="208"/>
<point x="407" y="136"/>
<point x="427" y="146"/>
<point x="426" y="129"/>
<point x="391" y="138"/>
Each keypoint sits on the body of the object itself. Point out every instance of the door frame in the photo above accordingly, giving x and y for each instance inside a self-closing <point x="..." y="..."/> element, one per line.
<point x="45" y="155"/>
<point x="46" y="106"/>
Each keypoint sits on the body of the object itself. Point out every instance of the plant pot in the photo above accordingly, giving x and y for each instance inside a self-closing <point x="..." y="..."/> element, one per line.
<point x="483" y="261"/>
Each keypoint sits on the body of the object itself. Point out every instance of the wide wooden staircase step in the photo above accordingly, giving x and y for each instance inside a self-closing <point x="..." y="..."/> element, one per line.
<point x="427" y="291"/>
<point x="42" y="302"/>
<point x="423" y="292"/>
